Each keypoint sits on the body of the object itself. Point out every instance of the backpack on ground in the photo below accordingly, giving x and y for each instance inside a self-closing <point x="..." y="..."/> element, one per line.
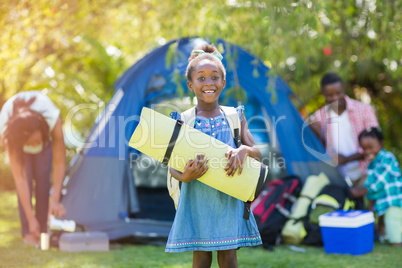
<point x="293" y="232"/>
<point x="188" y="117"/>
<point x="272" y="208"/>
<point x="331" y="197"/>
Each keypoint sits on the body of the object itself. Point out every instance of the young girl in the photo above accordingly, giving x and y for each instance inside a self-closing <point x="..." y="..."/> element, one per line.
<point x="383" y="183"/>
<point x="206" y="219"/>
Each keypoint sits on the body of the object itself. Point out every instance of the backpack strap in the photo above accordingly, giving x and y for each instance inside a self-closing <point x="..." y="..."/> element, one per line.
<point x="172" y="142"/>
<point x="235" y="126"/>
<point x="188" y="117"/>
<point x="174" y="186"/>
<point x="234" y="122"/>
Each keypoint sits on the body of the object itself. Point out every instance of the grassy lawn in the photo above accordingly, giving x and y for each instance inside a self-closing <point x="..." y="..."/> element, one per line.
<point x="13" y="253"/>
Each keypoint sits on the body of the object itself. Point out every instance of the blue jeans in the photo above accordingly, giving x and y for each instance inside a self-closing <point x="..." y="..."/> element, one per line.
<point x="38" y="168"/>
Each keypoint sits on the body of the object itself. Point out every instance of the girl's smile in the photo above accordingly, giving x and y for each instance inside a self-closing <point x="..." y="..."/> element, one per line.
<point x="209" y="92"/>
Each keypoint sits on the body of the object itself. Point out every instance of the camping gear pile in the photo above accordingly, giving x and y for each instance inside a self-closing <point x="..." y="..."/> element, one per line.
<point x="272" y="208"/>
<point x="284" y="213"/>
<point x="294" y="231"/>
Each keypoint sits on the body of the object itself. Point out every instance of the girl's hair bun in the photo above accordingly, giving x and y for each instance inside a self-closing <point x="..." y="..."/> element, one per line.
<point x="207" y="48"/>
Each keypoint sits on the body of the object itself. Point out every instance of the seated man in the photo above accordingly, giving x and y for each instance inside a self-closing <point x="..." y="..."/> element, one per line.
<point x="338" y="125"/>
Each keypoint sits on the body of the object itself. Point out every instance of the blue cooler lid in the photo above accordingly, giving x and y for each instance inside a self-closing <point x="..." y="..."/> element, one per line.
<point x="346" y="219"/>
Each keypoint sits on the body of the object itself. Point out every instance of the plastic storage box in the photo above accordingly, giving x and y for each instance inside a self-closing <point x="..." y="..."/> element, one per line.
<point x="84" y="241"/>
<point x="347" y="232"/>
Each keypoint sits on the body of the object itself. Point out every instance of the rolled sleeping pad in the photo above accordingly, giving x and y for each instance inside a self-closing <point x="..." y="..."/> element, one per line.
<point x="173" y="143"/>
<point x="293" y="231"/>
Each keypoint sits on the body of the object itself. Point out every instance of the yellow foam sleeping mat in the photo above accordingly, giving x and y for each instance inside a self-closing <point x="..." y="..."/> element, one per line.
<point x="173" y="143"/>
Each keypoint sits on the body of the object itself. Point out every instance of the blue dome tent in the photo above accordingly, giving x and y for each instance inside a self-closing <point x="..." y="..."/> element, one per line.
<point x="106" y="190"/>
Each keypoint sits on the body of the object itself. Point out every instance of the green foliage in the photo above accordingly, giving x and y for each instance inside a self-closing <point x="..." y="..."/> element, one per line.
<point x="178" y="80"/>
<point x="75" y="50"/>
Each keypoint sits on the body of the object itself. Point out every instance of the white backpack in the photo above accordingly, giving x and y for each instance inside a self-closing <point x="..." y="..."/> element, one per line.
<point x="188" y="117"/>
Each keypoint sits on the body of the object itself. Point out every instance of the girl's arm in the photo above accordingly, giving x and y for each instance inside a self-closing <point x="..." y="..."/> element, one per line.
<point x="248" y="141"/>
<point x="23" y="192"/>
<point x="193" y="170"/>
<point x="237" y="156"/>
<point x="59" y="167"/>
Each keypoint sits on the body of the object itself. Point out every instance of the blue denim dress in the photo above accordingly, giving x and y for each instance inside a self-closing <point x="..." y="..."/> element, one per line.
<point x="207" y="219"/>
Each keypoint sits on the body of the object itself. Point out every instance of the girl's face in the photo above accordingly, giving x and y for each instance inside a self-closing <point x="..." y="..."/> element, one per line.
<point x="207" y="82"/>
<point x="371" y="147"/>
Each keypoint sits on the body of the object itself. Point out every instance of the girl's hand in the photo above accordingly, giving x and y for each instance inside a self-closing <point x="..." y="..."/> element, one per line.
<point x="195" y="168"/>
<point x="236" y="159"/>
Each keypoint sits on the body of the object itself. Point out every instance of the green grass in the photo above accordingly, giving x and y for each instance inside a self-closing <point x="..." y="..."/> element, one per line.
<point x="13" y="253"/>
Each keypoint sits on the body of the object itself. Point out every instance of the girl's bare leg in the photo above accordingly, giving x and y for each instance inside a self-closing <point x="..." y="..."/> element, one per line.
<point x="227" y="258"/>
<point x="202" y="259"/>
